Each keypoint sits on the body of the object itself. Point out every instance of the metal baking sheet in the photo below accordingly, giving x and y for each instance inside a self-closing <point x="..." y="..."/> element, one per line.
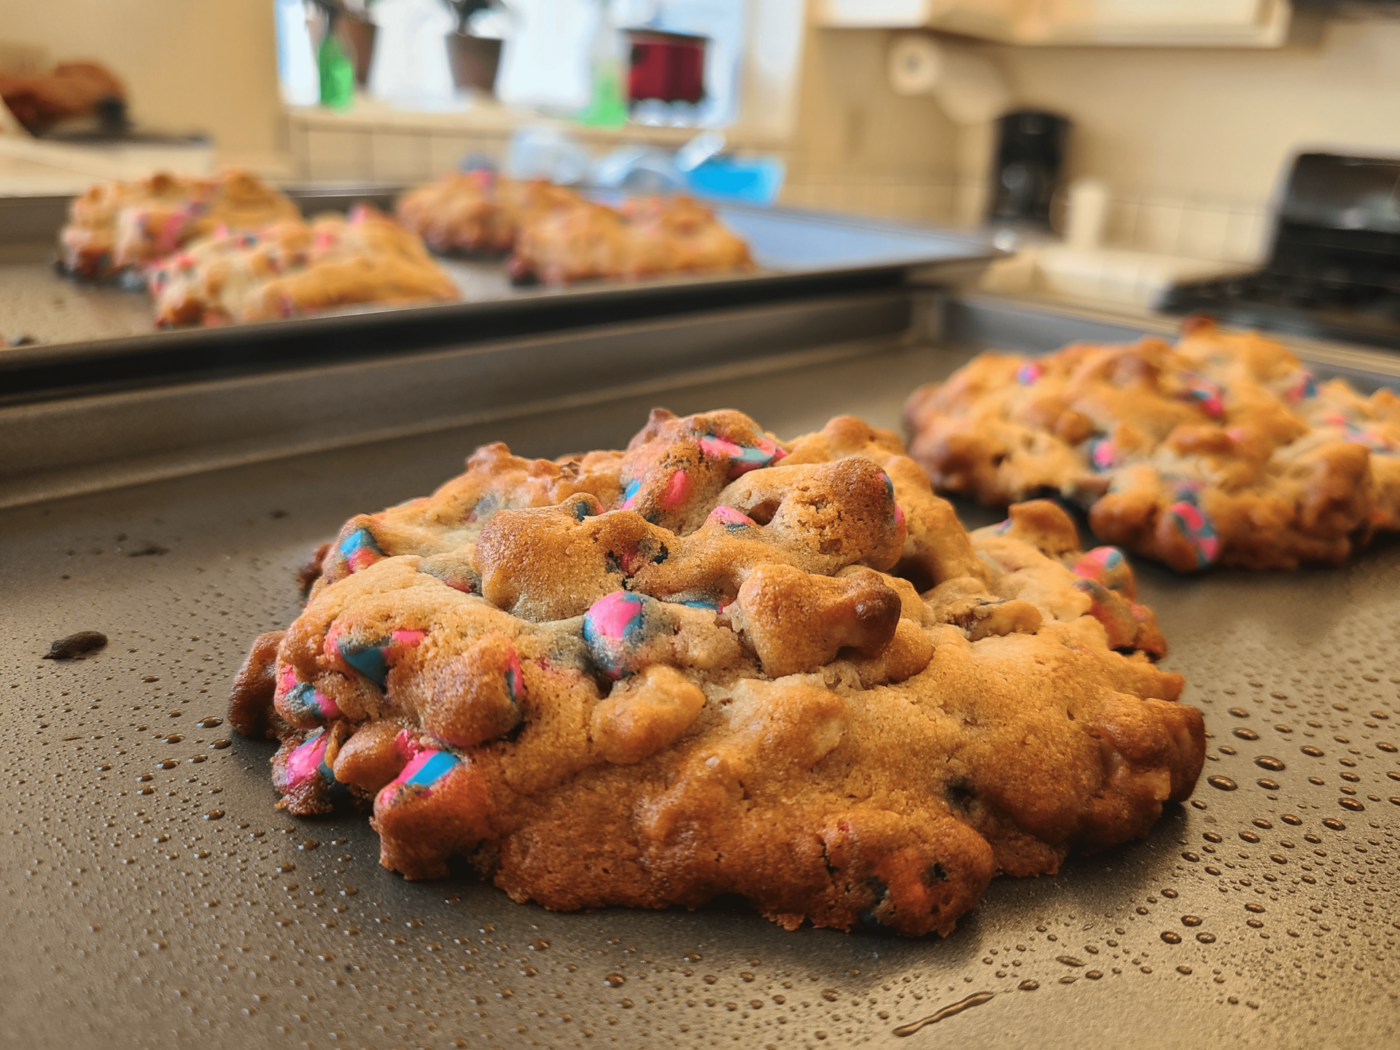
<point x="156" y="898"/>
<point x="87" y="332"/>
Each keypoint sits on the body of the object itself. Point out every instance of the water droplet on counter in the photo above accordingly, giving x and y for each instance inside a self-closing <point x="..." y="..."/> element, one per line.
<point x="1184" y="970"/>
<point x="1333" y="823"/>
<point x="1239" y="712"/>
<point x="976" y="999"/>
<point x="1171" y="936"/>
<point x="209" y="722"/>
<point x="1223" y="783"/>
<point x="1269" y="762"/>
<point x="1310" y="751"/>
<point x="214" y="814"/>
<point x="1246" y="734"/>
<point x="539" y="945"/>
<point x="1028" y="985"/>
<point x="1190" y="920"/>
<point x="614" y="980"/>
<point x="1206" y="938"/>
<point x="1351" y="804"/>
<point x="1069" y="960"/>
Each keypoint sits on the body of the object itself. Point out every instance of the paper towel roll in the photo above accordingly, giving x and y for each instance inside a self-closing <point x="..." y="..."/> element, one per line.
<point x="1087" y="213"/>
<point x="967" y="85"/>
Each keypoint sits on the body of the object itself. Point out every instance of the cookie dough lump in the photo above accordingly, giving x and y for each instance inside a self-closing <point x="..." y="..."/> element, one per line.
<point x="717" y="662"/>
<point x="1220" y="450"/>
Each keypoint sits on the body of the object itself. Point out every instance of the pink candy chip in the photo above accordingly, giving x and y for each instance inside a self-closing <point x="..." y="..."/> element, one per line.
<point x="730" y="516"/>
<point x="304" y="763"/>
<point x="612" y="615"/>
<point x="677" y="489"/>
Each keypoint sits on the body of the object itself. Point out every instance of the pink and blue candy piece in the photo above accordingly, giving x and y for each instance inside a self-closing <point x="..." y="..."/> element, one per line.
<point x="515" y="681"/>
<point x="1210" y="396"/>
<point x="304" y="701"/>
<point x="1302" y="388"/>
<point x="732" y="520"/>
<point x="1187" y="518"/>
<point x="742" y="458"/>
<point x="615" y="628"/>
<point x="1029" y="372"/>
<point x="427" y="769"/>
<point x="307" y="764"/>
<point x="373" y="659"/>
<point x="1103" y="455"/>
<point x="359" y="549"/>
<point x="1105" y="565"/>
<point x="425" y="773"/>
<point x="676" y="491"/>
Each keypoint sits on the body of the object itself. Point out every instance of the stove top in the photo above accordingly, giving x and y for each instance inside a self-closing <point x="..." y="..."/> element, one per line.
<point x="1334" y="267"/>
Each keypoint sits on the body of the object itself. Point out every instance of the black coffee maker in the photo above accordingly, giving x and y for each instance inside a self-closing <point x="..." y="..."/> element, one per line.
<point x="1026" y="172"/>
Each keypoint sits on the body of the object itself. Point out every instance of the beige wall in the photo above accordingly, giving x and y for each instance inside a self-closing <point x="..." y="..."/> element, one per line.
<point x="1191" y="141"/>
<point x="1216" y="123"/>
<point x="860" y="147"/>
<point x="206" y="64"/>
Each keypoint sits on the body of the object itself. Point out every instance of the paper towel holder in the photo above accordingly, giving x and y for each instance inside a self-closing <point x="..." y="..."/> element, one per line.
<point x="967" y="84"/>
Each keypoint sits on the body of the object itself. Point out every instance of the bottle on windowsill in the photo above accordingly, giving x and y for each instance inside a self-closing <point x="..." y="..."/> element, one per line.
<point x="607" y="104"/>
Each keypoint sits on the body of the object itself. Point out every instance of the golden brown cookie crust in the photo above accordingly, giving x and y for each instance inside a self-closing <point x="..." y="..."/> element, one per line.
<point x="645" y="238"/>
<point x="120" y="226"/>
<point x="478" y="212"/>
<point x="696" y="666"/>
<point x="294" y="268"/>
<point x="1220" y="450"/>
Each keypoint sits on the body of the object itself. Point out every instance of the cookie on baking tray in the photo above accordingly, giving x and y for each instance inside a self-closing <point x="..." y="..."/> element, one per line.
<point x="557" y="236"/>
<point x="293" y="268"/>
<point x="478" y="212"/>
<point x="644" y="238"/>
<point x="716" y="662"/>
<point x="120" y="226"/>
<point x="1220" y="450"/>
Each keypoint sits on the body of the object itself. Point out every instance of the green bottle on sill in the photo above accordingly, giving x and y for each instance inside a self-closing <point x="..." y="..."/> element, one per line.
<point x="607" y="105"/>
<point x="337" y="74"/>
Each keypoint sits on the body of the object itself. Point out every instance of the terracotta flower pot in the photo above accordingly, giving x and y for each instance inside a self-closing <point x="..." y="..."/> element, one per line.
<point x="474" y="61"/>
<point x="357" y="37"/>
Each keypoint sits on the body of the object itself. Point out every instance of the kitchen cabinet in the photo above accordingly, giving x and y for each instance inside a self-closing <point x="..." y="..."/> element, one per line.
<point x="1112" y="23"/>
<point x="992" y="19"/>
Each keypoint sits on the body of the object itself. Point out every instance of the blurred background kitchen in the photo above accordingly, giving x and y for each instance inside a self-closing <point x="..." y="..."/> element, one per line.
<point x="1147" y="142"/>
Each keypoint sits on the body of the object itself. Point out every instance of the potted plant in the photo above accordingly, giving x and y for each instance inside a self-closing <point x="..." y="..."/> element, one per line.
<point x="474" y="59"/>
